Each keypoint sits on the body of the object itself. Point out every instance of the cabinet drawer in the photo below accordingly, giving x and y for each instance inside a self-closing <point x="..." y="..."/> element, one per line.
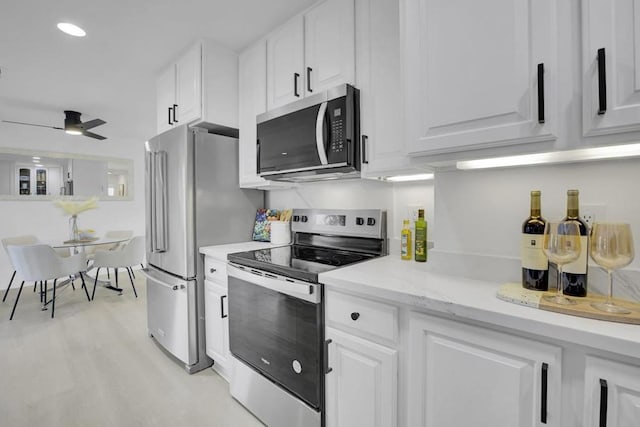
<point x="215" y="270"/>
<point x="370" y="318"/>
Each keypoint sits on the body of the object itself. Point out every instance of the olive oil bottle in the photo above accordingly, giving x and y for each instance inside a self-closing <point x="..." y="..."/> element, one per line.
<point x="421" y="237"/>
<point x="406" y="245"/>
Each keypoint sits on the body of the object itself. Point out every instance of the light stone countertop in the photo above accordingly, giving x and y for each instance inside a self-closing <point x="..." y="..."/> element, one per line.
<point x="415" y="284"/>
<point x="220" y="252"/>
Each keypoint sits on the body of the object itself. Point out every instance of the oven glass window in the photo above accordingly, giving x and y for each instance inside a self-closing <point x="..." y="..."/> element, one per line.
<point x="272" y="331"/>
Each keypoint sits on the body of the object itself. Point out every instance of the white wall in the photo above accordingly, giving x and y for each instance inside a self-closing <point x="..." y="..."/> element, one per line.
<point x="360" y="194"/>
<point x="42" y="218"/>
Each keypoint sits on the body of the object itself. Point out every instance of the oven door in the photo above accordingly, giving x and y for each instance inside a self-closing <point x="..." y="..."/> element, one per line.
<point x="275" y="326"/>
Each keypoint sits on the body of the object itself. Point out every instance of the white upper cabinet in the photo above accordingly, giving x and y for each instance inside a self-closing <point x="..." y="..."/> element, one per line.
<point x="311" y="52"/>
<point x="611" y="66"/>
<point x="252" y="83"/>
<point x="378" y="78"/>
<point x="472" y="72"/>
<point x="329" y="45"/>
<point x="188" y="86"/>
<point x="285" y="62"/>
<point x="199" y="88"/>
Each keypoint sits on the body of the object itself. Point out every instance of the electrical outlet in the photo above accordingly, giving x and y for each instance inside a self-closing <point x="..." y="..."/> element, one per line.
<point x="412" y="211"/>
<point x="593" y="213"/>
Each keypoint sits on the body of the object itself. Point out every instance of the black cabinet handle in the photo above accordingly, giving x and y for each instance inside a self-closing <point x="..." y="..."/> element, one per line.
<point x="222" y="315"/>
<point x="355" y="315"/>
<point x="602" y="82"/>
<point x="543" y="394"/>
<point x="365" y="139"/>
<point x="212" y="270"/>
<point x="327" y="369"/>
<point x="541" y="93"/>
<point x="169" y="121"/>
<point x="604" y="390"/>
<point x="309" y="70"/>
<point x="295" y="84"/>
<point x="175" y="107"/>
<point x="257" y="156"/>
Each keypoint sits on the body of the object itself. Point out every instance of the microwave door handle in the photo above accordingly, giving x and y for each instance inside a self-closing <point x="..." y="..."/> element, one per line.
<point x="322" y="152"/>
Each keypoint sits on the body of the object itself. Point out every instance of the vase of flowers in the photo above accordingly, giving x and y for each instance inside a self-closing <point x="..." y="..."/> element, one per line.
<point x="73" y="208"/>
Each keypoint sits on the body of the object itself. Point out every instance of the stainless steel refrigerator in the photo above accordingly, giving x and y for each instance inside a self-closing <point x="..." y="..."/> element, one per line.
<point x="192" y="200"/>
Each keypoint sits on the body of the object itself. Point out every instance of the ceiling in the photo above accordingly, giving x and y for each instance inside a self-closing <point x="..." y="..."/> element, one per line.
<point x="110" y="73"/>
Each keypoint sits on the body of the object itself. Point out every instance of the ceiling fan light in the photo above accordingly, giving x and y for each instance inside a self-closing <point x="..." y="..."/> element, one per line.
<point x="73" y="132"/>
<point x="71" y="29"/>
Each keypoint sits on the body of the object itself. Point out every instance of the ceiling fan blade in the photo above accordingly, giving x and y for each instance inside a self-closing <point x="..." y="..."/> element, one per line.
<point x="32" y="124"/>
<point x="93" y="135"/>
<point x="91" y="124"/>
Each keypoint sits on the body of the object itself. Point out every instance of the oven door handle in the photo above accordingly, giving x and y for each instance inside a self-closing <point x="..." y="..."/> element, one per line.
<point x="294" y="288"/>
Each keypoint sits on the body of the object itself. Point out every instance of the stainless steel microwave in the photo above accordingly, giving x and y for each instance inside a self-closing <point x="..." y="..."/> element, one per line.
<point x="315" y="138"/>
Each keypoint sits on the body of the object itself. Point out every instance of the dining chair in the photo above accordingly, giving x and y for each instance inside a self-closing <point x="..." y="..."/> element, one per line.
<point x="132" y="253"/>
<point x="41" y="263"/>
<point x="90" y="251"/>
<point x="26" y="240"/>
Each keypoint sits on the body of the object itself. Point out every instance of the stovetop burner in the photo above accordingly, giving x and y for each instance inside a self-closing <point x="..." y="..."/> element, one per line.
<point x="298" y="261"/>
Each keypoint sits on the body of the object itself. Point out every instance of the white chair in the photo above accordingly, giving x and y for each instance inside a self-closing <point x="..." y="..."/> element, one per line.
<point x="132" y="253"/>
<point x="25" y="240"/>
<point x="90" y="251"/>
<point x="40" y="263"/>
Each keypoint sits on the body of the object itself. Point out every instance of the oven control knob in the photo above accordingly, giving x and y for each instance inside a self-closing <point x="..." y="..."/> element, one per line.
<point x="371" y="221"/>
<point x="355" y="315"/>
<point x="359" y="221"/>
<point x="331" y="220"/>
<point x="304" y="218"/>
<point x="297" y="367"/>
<point x="296" y="218"/>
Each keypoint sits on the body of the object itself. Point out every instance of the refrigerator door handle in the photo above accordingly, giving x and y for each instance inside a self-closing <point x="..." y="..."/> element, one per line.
<point x="152" y="201"/>
<point x="159" y="209"/>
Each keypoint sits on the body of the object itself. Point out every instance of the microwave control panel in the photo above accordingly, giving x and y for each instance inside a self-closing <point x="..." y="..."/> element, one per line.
<point x="337" y="119"/>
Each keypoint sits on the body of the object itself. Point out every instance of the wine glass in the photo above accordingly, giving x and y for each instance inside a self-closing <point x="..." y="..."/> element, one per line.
<point x="561" y="244"/>
<point x="611" y="248"/>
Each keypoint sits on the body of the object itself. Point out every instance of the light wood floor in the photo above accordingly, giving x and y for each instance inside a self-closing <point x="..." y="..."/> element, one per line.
<point x="94" y="365"/>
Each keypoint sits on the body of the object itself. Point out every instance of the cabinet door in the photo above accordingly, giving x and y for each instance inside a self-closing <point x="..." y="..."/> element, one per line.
<point x="285" y="79"/>
<point x="165" y="98"/>
<point x="189" y="86"/>
<point x="216" y="323"/>
<point x="471" y="73"/>
<point x="378" y="78"/>
<point x="614" y="27"/>
<point x="612" y="394"/>
<point x="329" y="45"/>
<point x="253" y="101"/>
<point x="461" y="375"/>
<point x="361" y="389"/>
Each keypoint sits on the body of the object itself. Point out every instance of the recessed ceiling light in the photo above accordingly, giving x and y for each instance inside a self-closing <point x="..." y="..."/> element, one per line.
<point x="71" y="29"/>
<point x="38" y="166"/>
<point x="36" y="158"/>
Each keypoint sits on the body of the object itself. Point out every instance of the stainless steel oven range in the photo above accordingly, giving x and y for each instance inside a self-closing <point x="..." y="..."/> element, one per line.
<point x="276" y="317"/>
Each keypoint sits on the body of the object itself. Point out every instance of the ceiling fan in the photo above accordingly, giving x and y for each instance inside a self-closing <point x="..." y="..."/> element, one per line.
<point x="72" y="125"/>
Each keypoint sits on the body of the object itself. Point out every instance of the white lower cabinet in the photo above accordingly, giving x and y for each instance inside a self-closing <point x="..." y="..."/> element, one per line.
<point x="361" y="389"/>
<point x="462" y="375"/>
<point x="217" y="326"/>
<point x="612" y="394"/>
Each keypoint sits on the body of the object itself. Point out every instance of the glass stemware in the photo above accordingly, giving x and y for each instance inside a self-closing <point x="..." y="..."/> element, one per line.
<point x="611" y="248"/>
<point x="561" y="244"/>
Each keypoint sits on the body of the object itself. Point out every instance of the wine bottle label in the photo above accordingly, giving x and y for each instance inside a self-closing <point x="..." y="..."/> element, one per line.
<point x="579" y="266"/>
<point x="532" y="255"/>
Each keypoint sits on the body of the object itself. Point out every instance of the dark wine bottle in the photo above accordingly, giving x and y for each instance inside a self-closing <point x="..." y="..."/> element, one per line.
<point x="574" y="274"/>
<point x="535" y="266"/>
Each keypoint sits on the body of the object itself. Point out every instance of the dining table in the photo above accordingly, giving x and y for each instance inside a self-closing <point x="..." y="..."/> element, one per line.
<point x="77" y="245"/>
